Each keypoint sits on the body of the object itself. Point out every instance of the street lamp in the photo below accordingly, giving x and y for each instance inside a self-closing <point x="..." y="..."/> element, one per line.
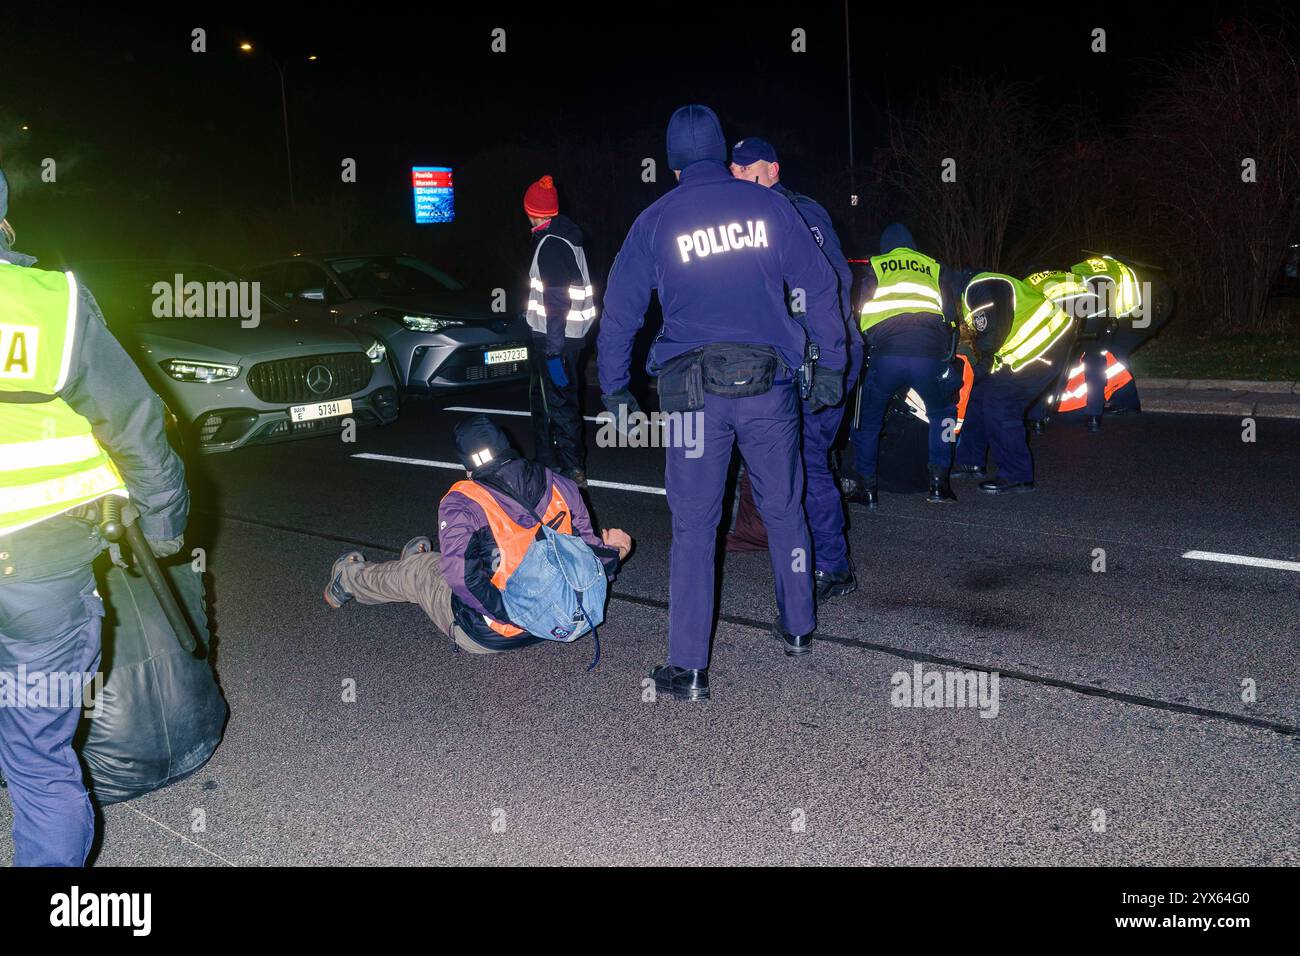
<point x="247" y="47"/>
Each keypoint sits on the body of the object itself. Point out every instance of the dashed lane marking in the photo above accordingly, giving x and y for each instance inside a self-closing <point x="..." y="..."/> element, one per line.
<point x="457" y="466"/>
<point x="1243" y="559"/>
<point x="504" y="411"/>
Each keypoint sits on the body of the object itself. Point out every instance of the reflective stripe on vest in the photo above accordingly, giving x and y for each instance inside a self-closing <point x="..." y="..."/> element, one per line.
<point x="1037" y="323"/>
<point x="1123" y="295"/>
<point x="512" y="539"/>
<point x="49" y="458"/>
<point x="907" y="282"/>
<point x="582" y="309"/>
<point x="1075" y="395"/>
<point x="1063" y="288"/>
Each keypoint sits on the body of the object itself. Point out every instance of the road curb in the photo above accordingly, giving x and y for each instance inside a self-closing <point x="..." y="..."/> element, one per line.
<point x="1222" y="384"/>
<point x="1238" y="406"/>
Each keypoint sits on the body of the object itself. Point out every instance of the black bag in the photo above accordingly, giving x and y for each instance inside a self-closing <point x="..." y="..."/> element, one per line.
<point x="681" y="383"/>
<point x="903" y="451"/>
<point x="739" y="371"/>
<point x="162" y="712"/>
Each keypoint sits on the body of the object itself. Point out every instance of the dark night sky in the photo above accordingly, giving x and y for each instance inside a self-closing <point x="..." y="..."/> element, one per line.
<point x="131" y="112"/>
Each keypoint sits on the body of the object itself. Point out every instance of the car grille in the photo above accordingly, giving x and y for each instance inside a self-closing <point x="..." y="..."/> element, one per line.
<point x="284" y="381"/>
<point x="466" y="365"/>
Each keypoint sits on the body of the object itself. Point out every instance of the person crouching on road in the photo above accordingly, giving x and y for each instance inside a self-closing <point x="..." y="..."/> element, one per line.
<point x="483" y="525"/>
<point x="909" y="318"/>
<point x="561" y="310"/>
<point x="1022" y="338"/>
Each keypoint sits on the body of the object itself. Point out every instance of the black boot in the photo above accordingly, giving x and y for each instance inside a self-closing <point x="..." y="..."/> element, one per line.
<point x="684" y="683"/>
<point x="1094" y="423"/>
<point x="862" y="491"/>
<point x="796" y="645"/>
<point x="969" y="471"/>
<point x="827" y="585"/>
<point x="1000" y="486"/>
<point x="940" y="487"/>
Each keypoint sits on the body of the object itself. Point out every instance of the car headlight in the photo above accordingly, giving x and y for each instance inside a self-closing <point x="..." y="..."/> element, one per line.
<point x="427" y="323"/>
<point x="184" y="370"/>
<point x="376" y="352"/>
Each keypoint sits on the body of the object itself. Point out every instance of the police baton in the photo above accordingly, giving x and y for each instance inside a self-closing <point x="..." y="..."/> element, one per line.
<point x="114" y="530"/>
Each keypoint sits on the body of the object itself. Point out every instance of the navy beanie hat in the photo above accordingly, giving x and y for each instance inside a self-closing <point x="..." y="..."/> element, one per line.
<point x="694" y="134"/>
<point x="895" y="236"/>
<point x="482" y="445"/>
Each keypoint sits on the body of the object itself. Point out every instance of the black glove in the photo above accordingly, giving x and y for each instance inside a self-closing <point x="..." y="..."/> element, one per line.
<point x="161" y="547"/>
<point x="827" y="388"/>
<point x="622" y="405"/>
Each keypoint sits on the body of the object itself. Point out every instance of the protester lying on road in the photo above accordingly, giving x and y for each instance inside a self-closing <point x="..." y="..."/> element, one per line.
<point x="485" y="528"/>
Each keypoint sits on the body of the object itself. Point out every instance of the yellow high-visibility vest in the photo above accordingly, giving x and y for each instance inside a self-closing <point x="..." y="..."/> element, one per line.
<point x="907" y="281"/>
<point x="1124" y="295"/>
<point x="49" y="458"/>
<point x="1037" y="322"/>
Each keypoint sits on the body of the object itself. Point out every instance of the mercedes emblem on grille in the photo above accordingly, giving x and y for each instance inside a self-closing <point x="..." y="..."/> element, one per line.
<point x="319" y="379"/>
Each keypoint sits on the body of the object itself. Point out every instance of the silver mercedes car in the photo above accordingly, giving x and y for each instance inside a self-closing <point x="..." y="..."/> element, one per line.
<point x="233" y="369"/>
<point x="441" y="336"/>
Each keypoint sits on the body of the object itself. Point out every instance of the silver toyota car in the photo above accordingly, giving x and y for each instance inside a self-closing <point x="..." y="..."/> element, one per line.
<point x="440" y="335"/>
<point x="234" y="370"/>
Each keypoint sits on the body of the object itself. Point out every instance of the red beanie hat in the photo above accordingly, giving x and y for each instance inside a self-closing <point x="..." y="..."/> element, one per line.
<point x="541" y="200"/>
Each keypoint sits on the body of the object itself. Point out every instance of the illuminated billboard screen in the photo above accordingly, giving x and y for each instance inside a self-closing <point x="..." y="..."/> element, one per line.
<point x="433" y="194"/>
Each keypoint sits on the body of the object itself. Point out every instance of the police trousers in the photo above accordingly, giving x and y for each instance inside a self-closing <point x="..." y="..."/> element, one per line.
<point x="766" y="430"/>
<point x="886" y="374"/>
<point x="49" y="643"/>
<point x="995" y="416"/>
<point x="822" y="503"/>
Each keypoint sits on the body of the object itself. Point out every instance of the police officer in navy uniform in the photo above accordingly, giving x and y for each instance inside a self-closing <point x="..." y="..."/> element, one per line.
<point x="909" y="318"/>
<point x="755" y="159"/>
<point x="720" y="253"/>
<point x="77" y="422"/>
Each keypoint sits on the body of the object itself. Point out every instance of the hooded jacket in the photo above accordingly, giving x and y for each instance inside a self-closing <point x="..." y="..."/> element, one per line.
<point x="469" y="552"/>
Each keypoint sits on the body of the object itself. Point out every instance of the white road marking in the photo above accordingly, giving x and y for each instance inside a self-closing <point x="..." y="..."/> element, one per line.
<point x="503" y="411"/>
<point x="457" y="466"/>
<point x="218" y="856"/>
<point x="1243" y="559"/>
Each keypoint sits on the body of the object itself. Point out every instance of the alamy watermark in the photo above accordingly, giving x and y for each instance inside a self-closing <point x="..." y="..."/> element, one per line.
<point x="179" y="299"/>
<point x="652" y="430"/>
<point x="947" y="689"/>
<point x="21" y="688"/>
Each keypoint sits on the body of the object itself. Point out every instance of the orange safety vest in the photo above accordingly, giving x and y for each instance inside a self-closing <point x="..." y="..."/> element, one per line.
<point x="512" y="539"/>
<point x="1075" y="394"/>
<point x="963" y="396"/>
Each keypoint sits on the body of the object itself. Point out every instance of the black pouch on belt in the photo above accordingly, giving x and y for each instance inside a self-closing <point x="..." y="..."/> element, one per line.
<point x="736" y="370"/>
<point x="681" y="383"/>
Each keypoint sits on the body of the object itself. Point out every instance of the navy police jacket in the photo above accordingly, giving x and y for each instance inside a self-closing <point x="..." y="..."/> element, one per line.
<point x="720" y="252"/>
<point x="819" y="224"/>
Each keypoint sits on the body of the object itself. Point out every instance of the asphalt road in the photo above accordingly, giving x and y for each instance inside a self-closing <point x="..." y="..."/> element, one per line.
<point x="1121" y="735"/>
